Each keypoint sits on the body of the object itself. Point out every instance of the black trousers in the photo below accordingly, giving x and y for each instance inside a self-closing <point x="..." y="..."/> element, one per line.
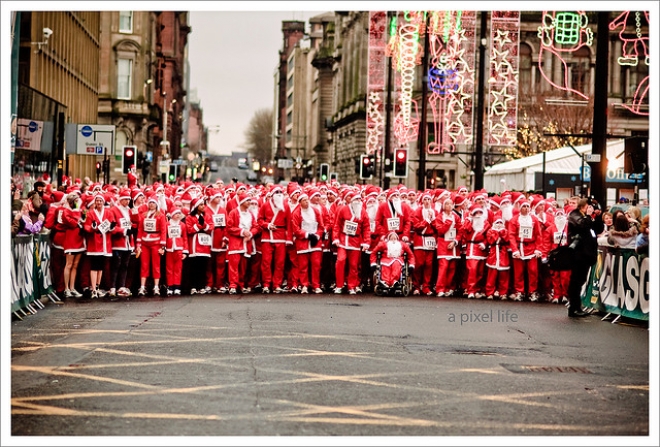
<point x="578" y="278"/>
<point x="119" y="268"/>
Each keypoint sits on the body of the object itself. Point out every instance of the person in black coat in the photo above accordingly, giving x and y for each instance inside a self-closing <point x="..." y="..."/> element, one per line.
<point x="583" y="226"/>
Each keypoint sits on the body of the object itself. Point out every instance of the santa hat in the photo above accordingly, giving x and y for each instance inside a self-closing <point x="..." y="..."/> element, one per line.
<point x="276" y="189"/>
<point x="427" y="195"/>
<point x="197" y="202"/>
<point x="332" y="191"/>
<point x="98" y="196"/>
<point x="213" y="193"/>
<point x="536" y="201"/>
<point x="137" y="193"/>
<point x="458" y="199"/>
<point x="476" y="209"/>
<point x="241" y="187"/>
<point x="57" y="196"/>
<point x="451" y="198"/>
<point x="517" y="196"/>
<point x="523" y="202"/>
<point x="495" y="200"/>
<point x="158" y="187"/>
<point x="313" y="193"/>
<point x="498" y="218"/>
<point x="73" y="190"/>
<point x="243" y="197"/>
<point x="391" y="192"/>
<point x="303" y="195"/>
<point x="461" y="189"/>
<point x="124" y="193"/>
<point x="481" y="194"/>
<point x="505" y="198"/>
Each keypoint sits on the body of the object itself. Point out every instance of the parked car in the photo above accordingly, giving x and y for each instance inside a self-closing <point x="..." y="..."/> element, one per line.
<point x="213" y="166"/>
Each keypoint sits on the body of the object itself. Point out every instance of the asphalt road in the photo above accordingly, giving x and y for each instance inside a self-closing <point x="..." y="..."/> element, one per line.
<point x="325" y="365"/>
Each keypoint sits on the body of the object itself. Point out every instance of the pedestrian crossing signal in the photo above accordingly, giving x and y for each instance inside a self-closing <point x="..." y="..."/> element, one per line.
<point x="324" y="172"/>
<point x="128" y="159"/>
<point x="366" y="166"/>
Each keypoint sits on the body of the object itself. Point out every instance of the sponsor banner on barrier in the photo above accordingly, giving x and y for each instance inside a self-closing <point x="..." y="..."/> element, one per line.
<point x="619" y="283"/>
<point x="30" y="269"/>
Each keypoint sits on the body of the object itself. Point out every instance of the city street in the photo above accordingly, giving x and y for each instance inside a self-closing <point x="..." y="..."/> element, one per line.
<point x="325" y="365"/>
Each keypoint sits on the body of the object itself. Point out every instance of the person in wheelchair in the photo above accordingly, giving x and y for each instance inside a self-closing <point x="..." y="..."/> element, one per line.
<point x="393" y="263"/>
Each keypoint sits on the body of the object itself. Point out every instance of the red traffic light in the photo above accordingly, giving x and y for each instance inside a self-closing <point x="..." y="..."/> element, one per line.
<point x="129" y="152"/>
<point x="366" y="160"/>
<point x="401" y="154"/>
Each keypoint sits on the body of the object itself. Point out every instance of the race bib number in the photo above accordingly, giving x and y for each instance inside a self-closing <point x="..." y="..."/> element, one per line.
<point x="429" y="242"/>
<point x="104" y="226"/>
<point x="350" y="228"/>
<point x="125" y="223"/>
<point x="556" y="237"/>
<point x="149" y="224"/>
<point x="393" y="224"/>
<point x="219" y="220"/>
<point x="450" y="235"/>
<point x="59" y="216"/>
<point x="372" y="226"/>
<point x="204" y="239"/>
<point x="525" y="232"/>
<point x="309" y="227"/>
<point x="173" y="231"/>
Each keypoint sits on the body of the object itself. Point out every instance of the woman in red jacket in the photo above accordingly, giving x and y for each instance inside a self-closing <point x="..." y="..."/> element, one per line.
<point x="151" y="241"/>
<point x="199" y="226"/>
<point x="98" y="227"/>
<point x="176" y="251"/>
<point x="73" y="244"/>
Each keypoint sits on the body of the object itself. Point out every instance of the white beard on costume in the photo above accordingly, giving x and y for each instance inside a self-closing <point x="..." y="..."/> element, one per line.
<point x="478" y="223"/>
<point x="507" y="212"/>
<point x="560" y="222"/>
<point x="356" y="208"/>
<point x="397" y="205"/>
<point x="278" y="201"/>
<point x="372" y="209"/>
<point x="394" y="249"/>
<point x="254" y="209"/>
<point x="438" y="207"/>
<point x="162" y="203"/>
<point x="223" y="202"/>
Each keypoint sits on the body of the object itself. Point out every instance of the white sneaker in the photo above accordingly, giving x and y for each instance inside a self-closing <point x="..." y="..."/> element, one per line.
<point x="534" y="297"/>
<point x="352" y="292"/>
<point x="470" y="296"/>
<point x="156" y="291"/>
<point x="112" y="292"/>
<point x="77" y="294"/>
<point x="337" y="291"/>
<point x="279" y="290"/>
<point x="142" y="291"/>
<point x="68" y="294"/>
<point x="304" y="290"/>
<point x="246" y="290"/>
<point x="101" y="293"/>
<point x="169" y="292"/>
<point x="124" y="291"/>
<point x="232" y="291"/>
<point x="193" y="291"/>
<point x="440" y="294"/>
<point x="177" y="291"/>
<point x="265" y="290"/>
<point x="222" y="290"/>
<point x="318" y="290"/>
<point x="207" y="289"/>
<point x="518" y="297"/>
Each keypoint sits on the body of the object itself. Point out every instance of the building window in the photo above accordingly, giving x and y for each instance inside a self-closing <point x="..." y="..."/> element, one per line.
<point x="125" y="21"/>
<point x="525" y="69"/>
<point x="580" y="66"/>
<point x="124" y="75"/>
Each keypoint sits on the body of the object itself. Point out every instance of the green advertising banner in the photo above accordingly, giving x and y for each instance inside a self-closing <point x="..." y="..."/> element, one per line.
<point x="619" y="283"/>
<point x="30" y="270"/>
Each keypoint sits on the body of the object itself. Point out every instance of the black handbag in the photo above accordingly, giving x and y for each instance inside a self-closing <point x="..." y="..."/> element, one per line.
<point x="562" y="257"/>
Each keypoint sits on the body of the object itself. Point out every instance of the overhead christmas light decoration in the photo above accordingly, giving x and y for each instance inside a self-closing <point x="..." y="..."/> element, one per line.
<point x="634" y="46"/>
<point x="562" y="33"/>
<point x="376" y="81"/>
<point x="451" y="37"/>
<point x="503" y="78"/>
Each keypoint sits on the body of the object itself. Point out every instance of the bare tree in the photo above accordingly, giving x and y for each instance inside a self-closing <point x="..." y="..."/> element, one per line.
<point x="259" y="135"/>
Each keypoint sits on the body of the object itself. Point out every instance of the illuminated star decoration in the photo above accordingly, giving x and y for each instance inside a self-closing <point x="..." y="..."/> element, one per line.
<point x="503" y="79"/>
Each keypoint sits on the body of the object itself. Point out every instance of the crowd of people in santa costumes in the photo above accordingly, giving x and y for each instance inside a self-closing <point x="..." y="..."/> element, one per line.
<point x="313" y="238"/>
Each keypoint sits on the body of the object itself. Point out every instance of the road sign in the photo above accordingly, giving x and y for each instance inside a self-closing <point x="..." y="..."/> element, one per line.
<point x="164" y="167"/>
<point x="285" y="163"/>
<point x="592" y="158"/>
<point x="90" y="139"/>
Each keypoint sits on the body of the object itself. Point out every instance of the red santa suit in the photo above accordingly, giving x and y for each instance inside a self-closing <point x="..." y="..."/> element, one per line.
<point x="216" y="274"/>
<point x="307" y="229"/>
<point x="558" y="230"/>
<point x="448" y="227"/>
<point x="176" y="249"/>
<point x="151" y="237"/>
<point x="476" y="252"/>
<point x="55" y="224"/>
<point x="425" y="245"/>
<point x="392" y="259"/>
<point x="351" y="235"/>
<point x="74" y="241"/>
<point x="389" y="218"/>
<point x="525" y="239"/>
<point x="98" y="228"/>
<point x="273" y="220"/>
<point x="254" y="262"/>
<point x="131" y="178"/>
<point x="546" y="222"/>
<point x="497" y="264"/>
<point x="241" y="228"/>
<point x="291" y="270"/>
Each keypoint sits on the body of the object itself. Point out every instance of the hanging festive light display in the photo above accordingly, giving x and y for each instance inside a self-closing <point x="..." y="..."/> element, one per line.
<point x="562" y="34"/>
<point x="633" y="48"/>
<point x="376" y="81"/>
<point x="503" y="78"/>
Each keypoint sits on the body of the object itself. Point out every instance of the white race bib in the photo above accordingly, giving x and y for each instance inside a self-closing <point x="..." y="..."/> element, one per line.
<point x="174" y="231"/>
<point x="104" y="226"/>
<point x="219" y="220"/>
<point x="372" y="226"/>
<point x="393" y="224"/>
<point x="556" y="237"/>
<point x="149" y="224"/>
<point x="429" y="242"/>
<point x="525" y="232"/>
<point x="309" y="227"/>
<point x="204" y="239"/>
<point x="450" y="235"/>
<point x="125" y="223"/>
<point x="350" y="227"/>
<point x="59" y="216"/>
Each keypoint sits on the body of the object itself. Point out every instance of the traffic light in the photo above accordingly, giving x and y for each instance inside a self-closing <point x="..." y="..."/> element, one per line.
<point x="401" y="162"/>
<point x="171" y="177"/>
<point x="129" y="157"/>
<point x="98" y="168"/>
<point x="366" y="166"/>
<point x="324" y="172"/>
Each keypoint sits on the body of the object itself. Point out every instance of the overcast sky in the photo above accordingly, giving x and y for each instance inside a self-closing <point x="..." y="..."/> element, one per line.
<point x="233" y="56"/>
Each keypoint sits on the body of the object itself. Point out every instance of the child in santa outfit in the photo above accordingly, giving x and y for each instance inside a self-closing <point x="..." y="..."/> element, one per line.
<point x="497" y="264"/>
<point x="176" y="250"/>
<point x="394" y="254"/>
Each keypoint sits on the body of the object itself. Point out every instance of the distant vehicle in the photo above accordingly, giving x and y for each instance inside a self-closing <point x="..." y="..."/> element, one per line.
<point x="243" y="163"/>
<point x="213" y="166"/>
<point x="252" y="176"/>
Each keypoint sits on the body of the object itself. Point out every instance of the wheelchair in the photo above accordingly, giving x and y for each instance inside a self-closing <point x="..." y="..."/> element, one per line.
<point x="402" y="287"/>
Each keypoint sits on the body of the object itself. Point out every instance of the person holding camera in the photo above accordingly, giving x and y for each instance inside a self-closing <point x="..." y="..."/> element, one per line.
<point x="307" y="228"/>
<point x="582" y="231"/>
